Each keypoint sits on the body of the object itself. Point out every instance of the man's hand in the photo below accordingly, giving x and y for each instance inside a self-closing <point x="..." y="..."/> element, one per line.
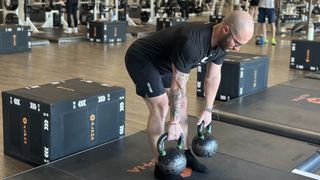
<point x="174" y="131"/>
<point x="205" y="117"/>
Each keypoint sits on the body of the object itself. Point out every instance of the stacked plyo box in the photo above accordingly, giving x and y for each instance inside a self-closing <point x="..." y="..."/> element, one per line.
<point x="241" y="74"/>
<point x="215" y="19"/>
<point x="163" y="23"/>
<point x="107" y="31"/>
<point x="46" y="122"/>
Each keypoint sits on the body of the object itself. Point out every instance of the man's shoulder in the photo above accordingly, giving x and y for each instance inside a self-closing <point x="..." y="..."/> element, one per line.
<point x="199" y="24"/>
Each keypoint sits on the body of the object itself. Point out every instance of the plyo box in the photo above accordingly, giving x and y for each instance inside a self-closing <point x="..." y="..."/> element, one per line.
<point x="241" y="74"/>
<point x="106" y="31"/>
<point x="163" y="23"/>
<point x="46" y="122"/>
<point x="215" y="19"/>
<point x="15" y="38"/>
<point x="305" y="55"/>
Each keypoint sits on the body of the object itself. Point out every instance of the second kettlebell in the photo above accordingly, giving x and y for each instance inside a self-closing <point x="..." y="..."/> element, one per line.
<point x="203" y="144"/>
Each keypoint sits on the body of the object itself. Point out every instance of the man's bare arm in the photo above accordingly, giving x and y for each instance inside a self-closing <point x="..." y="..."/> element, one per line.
<point x="177" y="93"/>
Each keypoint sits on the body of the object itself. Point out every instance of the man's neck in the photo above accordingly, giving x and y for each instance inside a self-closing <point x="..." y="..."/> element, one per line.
<point x="213" y="38"/>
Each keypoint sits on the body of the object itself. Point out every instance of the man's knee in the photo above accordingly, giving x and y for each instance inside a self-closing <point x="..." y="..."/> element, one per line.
<point x="159" y="106"/>
<point x="163" y="108"/>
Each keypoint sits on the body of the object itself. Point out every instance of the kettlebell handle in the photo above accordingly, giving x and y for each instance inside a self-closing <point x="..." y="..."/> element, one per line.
<point x="164" y="137"/>
<point x="200" y="130"/>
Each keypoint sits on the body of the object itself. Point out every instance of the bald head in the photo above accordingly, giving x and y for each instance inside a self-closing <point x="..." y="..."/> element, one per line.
<point x="241" y="24"/>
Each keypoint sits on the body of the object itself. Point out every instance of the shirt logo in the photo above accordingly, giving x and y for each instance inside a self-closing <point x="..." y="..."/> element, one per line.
<point x="149" y="87"/>
<point x="204" y="60"/>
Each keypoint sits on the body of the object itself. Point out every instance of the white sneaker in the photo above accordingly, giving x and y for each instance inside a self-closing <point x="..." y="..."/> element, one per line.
<point x="75" y="30"/>
<point x="68" y="31"/>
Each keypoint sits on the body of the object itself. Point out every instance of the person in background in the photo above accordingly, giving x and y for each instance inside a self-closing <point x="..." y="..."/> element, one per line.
<point x="267" y="9"/>
<point x="253" y="8"/>
<point x="71" y="10"/>
<point x="184" y="8"/>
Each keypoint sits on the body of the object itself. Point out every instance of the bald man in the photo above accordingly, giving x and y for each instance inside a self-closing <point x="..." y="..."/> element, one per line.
<point x="159" y="66"/>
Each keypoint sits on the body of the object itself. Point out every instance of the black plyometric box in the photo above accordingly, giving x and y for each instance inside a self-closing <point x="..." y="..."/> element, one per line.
<point x="241" y="74"/>
<point x="305" y="55"/>
<point x="163" y="23"/>
<point x="215" y="19"/>
<point x="107" y="31"/>
<point x="46" y="122"/>
<point x="15" y="38"/>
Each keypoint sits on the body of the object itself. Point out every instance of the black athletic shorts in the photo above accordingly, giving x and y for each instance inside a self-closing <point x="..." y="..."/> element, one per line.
<point x="254" y="2"/>
<point x="148" y="80"/>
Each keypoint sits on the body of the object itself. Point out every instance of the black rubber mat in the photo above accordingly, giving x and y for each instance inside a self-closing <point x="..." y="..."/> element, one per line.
<point x="39" y="42"/>
<point x="304" y="83"/>
<point x="290" y="109"/>
<point x="266" y="149"/>
<point x="243" y="154"/>
<point x="141" y="30"/>
<point x="313" y="75"/>
<point x="58" y="35"/>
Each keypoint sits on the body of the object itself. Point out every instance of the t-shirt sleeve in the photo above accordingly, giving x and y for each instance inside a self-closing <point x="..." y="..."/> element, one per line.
<point x="183" y="55"/>
<point x="219" y="60"/>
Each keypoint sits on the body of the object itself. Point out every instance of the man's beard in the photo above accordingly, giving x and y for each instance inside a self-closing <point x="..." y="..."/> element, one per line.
<point x="223" y="42"/>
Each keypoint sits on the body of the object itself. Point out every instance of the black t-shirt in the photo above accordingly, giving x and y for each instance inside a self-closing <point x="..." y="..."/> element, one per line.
<point x="186" y="46"/>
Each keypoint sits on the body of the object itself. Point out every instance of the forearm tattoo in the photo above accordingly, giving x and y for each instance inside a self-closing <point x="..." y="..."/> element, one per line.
<point x="177" y="94"/>
<point x="175" y="103"/>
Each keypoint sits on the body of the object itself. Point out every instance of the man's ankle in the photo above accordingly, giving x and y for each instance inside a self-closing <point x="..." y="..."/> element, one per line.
<point x="194" y="163"/>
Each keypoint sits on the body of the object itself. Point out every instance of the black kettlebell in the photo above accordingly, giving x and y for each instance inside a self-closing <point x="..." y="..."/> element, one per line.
<point x="203" y="144"/>
<point x="258" y="40"/>
<point x="171" y="161"/>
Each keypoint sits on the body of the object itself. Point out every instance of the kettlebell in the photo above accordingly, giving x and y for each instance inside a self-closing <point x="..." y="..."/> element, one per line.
<point x="203" y="144"/>
<point x="171" y="161"/>
<point x="258" y="40"/>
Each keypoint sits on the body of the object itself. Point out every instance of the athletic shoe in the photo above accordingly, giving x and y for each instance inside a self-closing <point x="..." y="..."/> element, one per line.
<point x="75" y="30"/>
<point x="68" y="31"/>
<point x="274" y="42"/>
